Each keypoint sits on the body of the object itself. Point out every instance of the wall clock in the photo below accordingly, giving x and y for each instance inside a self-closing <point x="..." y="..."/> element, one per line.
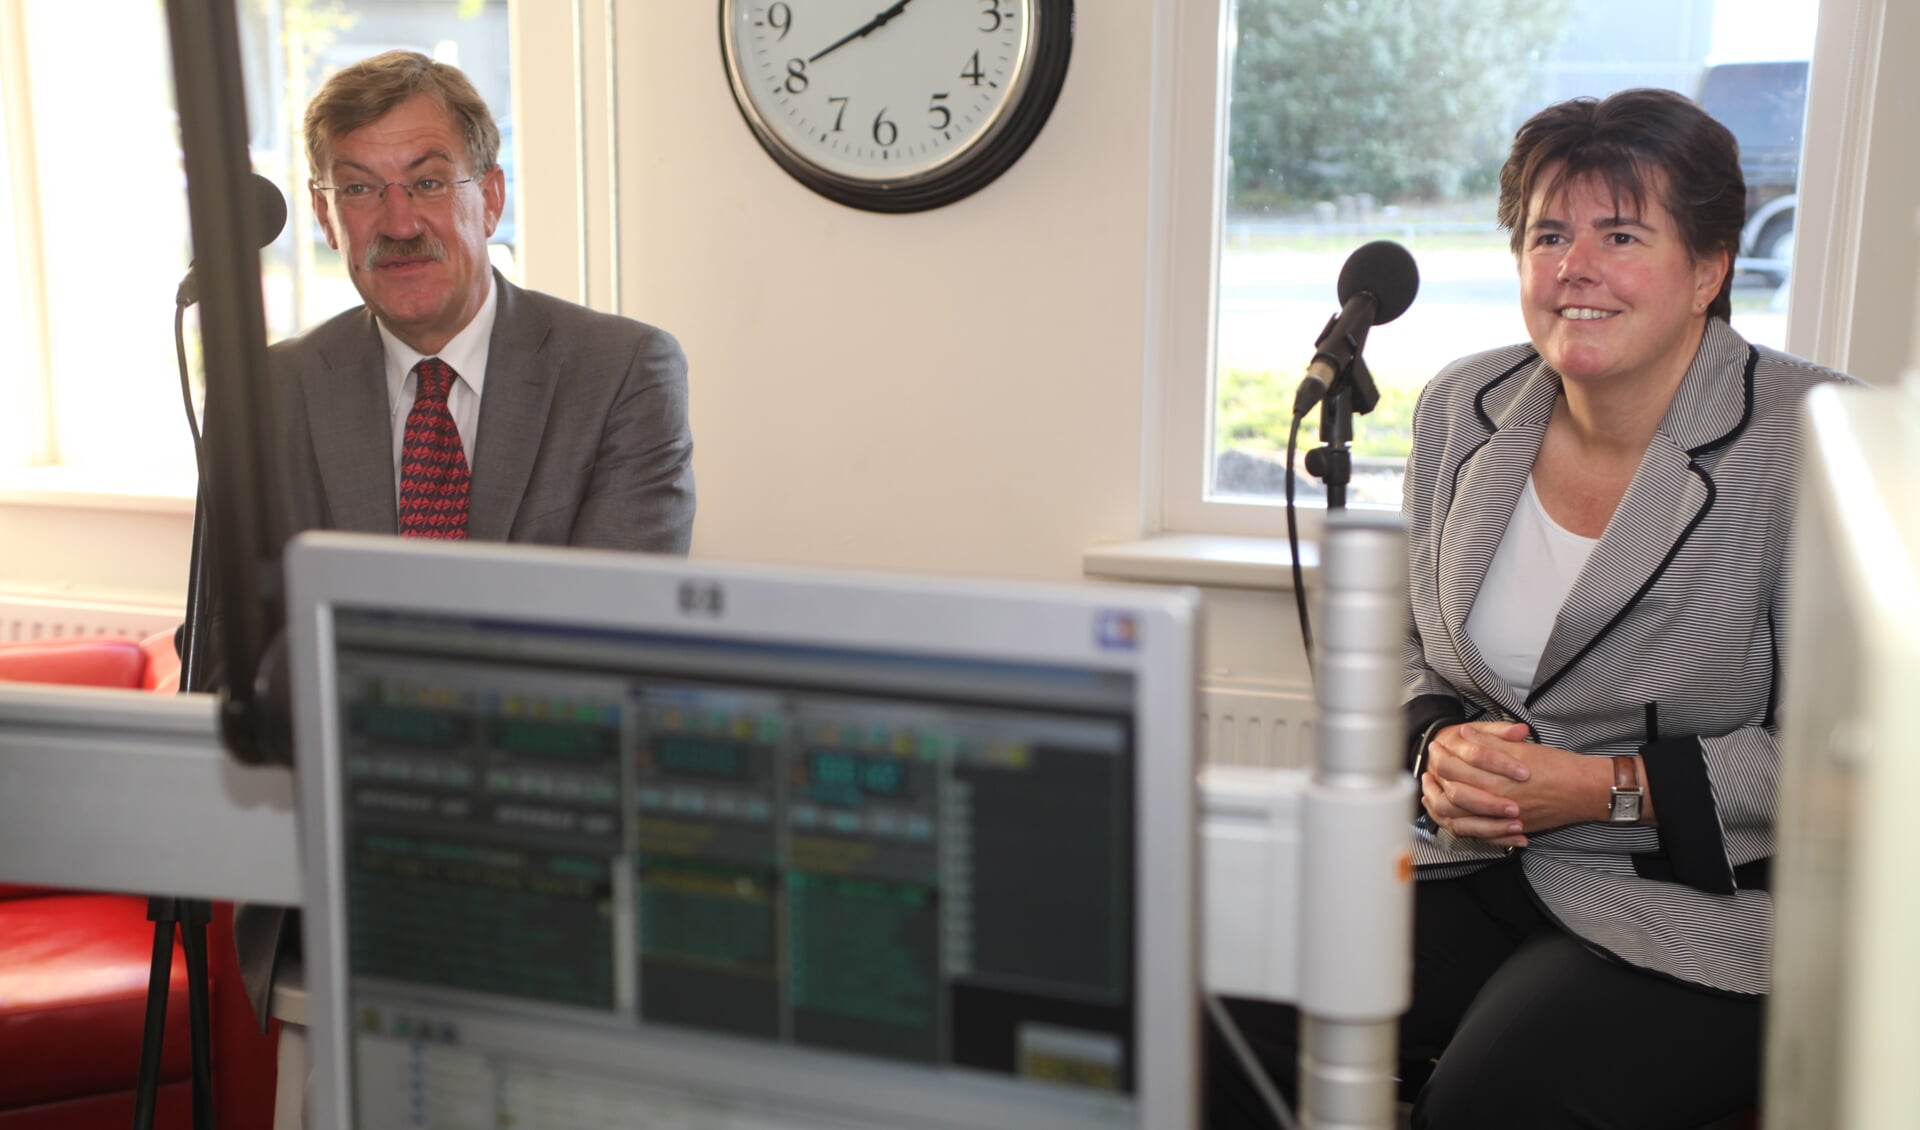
<point x="896" y="106"/>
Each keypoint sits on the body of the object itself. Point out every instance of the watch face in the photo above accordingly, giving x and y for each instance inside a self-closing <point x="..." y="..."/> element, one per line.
<point x="876" y="96"/>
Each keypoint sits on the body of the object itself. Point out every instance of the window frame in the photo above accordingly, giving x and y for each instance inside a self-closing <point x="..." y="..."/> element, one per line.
<point x="31" y="385"/>
<point x="1188" y="154"/>
<point x="38" y="467"/>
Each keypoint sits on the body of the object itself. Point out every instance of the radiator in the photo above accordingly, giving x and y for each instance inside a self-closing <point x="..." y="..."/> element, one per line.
<point x="34" y="616"/>
<point x="1263" y="725"/>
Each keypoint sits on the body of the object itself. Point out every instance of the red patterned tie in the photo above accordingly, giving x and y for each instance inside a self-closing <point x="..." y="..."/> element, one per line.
<point x="433" y="468"/>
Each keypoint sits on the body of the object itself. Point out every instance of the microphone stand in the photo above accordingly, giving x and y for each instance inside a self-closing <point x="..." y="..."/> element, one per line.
<point x="1351" y="393"/>
<point x="191" y="915"/>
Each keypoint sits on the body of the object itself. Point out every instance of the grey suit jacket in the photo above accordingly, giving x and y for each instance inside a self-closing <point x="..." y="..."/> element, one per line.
<point x="583" y="440"/>
<point x="1669" y="644"/>
<point x="583" y="436"/>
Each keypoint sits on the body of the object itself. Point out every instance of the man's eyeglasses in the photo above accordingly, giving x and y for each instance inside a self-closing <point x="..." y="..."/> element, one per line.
<point x="361" y="196"/>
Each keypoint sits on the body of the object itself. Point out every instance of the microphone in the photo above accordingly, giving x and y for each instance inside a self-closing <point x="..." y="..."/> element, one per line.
<point x="1376" y="286"/>
<point x="269" y="211"/>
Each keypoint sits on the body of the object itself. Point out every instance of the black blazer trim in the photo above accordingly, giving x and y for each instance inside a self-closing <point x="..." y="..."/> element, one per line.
<point x="1746" y="411"/>
<point x="1689" y="820"/>
<point x="1480" y="399"/>
<point x="1453" y="489"/>
<point x="1773" y="679"/>
<point x="1755" y="875"/>
<point x="1424" y="711"/>
<point x="1679" y="543"/>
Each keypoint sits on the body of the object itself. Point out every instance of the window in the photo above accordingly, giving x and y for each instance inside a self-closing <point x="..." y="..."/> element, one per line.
<point x="92" y="175"/>
<point x="1350" y="122"/>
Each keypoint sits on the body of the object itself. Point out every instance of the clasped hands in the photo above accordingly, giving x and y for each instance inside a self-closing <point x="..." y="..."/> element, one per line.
<point x="1487" y="781"/>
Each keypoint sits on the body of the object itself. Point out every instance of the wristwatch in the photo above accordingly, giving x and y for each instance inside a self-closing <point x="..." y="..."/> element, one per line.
<point x="1624" y="806"/>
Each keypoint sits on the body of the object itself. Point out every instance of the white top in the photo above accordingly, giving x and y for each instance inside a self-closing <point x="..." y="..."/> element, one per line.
<point x="466" y="353"/>
<point x="1532" y="572"/>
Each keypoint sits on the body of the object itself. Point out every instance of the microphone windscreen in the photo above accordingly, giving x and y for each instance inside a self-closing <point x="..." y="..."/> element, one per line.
<point x="269" y="210"/>
<point x="1385" y="269"/>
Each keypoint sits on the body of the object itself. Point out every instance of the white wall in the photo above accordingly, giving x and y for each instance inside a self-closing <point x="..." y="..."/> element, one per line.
<point x="953" y="391"/>
<point x="123" y="552"/>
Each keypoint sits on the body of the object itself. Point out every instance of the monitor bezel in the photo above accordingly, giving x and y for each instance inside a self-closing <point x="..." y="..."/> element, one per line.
<point x="968" y="619"/>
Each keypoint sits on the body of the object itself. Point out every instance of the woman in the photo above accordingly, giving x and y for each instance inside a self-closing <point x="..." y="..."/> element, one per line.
<point x="1597" y="527"/>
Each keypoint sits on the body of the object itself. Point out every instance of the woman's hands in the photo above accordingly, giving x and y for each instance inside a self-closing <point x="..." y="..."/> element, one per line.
<point x="1486" y="781"/>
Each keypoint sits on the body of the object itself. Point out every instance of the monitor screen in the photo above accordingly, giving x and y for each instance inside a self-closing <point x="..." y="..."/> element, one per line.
<point x="601" y="874"/>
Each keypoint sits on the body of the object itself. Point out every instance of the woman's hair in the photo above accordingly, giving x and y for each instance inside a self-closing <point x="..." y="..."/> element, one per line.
<point x="362" y="93"/>
<point x="1635" y="141"/>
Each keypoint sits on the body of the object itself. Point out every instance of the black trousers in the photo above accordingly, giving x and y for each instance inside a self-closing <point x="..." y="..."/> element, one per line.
<point x="1516" y="1023"/>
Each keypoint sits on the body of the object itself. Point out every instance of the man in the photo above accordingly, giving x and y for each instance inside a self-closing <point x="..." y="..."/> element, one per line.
<point x="454" y="404"/>
<point x="572" y="425"/>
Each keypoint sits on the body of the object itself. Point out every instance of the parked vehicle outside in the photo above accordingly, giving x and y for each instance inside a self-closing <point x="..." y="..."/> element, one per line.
<point x="1765" y="105"/>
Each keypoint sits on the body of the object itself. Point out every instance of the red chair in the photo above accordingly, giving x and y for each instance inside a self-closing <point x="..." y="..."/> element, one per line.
<point x="74" y="966"/>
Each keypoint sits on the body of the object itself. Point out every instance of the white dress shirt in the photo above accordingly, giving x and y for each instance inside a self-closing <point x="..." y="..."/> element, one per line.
<point x="466" y="354"/>
<point x="1532" y="572"/>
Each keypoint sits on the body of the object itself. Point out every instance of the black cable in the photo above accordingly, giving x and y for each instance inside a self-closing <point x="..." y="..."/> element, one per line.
<point x="191" y="915"/>
<point x="1293" y="551"/>
<point x="1249" y="1063"/>
<point x="186" y="386"/>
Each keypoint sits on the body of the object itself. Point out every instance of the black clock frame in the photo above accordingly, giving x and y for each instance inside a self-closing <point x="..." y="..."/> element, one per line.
<point x="1051" y="50"/>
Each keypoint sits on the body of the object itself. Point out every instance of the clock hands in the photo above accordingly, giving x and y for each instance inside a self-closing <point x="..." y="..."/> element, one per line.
<point x="872" y="25"/>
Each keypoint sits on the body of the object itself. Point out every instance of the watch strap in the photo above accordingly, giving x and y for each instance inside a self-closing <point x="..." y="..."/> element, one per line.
<point x="1626" y="772"/>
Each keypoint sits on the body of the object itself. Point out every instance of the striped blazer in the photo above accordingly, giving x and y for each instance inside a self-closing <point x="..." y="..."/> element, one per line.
<point x="1669" y="644"/>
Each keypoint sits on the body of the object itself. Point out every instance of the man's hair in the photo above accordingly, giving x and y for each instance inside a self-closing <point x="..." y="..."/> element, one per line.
<point x="364" y="92"/>
<point x="1634" y="141"/>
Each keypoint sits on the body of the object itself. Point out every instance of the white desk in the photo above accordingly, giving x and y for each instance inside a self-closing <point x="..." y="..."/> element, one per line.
<point x="113" y="791"/>
<point x="119" y="791"/>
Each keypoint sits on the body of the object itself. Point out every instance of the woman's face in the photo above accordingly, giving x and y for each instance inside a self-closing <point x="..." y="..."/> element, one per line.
<point x="1610" y="292"/>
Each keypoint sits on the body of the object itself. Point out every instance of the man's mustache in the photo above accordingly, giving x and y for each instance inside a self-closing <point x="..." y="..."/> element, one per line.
<point x="422" y="246"/>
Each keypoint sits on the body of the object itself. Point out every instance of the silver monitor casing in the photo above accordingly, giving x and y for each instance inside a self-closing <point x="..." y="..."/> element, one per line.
<point x="1841" y="1041"/>
<point x="1024" y="623"/>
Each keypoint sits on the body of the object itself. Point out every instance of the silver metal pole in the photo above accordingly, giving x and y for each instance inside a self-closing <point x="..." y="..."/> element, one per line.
<point x="1357" y="899"/>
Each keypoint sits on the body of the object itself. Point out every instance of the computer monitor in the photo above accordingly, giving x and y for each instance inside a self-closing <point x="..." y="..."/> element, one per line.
<point x="1841" y="1037"/>
<point x="598" y="839"/>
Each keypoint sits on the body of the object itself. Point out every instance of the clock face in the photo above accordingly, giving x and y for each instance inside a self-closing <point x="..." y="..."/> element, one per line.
<point x="896" y="105"/>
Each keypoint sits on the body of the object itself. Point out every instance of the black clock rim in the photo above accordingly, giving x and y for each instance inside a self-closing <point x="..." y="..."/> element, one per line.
<point x="1052" y="51"/>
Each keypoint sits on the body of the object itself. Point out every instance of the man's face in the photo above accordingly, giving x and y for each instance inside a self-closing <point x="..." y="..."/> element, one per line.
<point x="420" y="265"/>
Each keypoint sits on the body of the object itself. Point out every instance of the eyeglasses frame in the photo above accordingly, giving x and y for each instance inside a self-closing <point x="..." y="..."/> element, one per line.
<point x="408" y="187"/>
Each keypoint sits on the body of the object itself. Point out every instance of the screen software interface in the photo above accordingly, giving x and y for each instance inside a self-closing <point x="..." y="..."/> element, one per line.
<point x="559" y="838"/>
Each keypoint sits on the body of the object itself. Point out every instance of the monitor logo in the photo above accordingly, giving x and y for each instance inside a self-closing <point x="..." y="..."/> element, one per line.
<point x="1116" y="631"/>
<point x="702" y="598"/>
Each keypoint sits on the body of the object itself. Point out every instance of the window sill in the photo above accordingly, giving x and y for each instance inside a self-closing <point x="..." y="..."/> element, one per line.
<point x="1202" y="559"/>
<point x="78" y="488"/>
